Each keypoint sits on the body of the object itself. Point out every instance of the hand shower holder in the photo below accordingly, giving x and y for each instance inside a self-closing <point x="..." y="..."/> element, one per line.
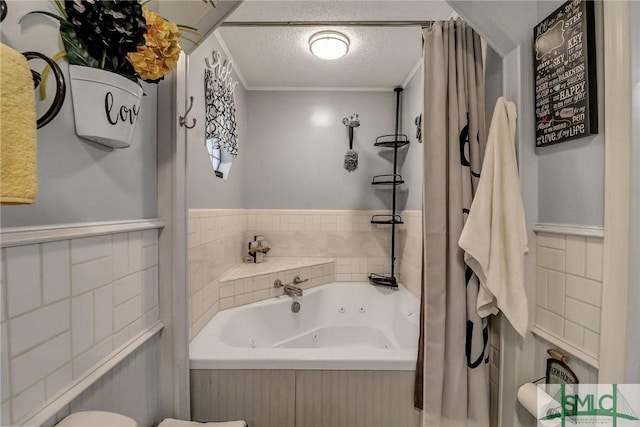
<point x="351" y="122"/>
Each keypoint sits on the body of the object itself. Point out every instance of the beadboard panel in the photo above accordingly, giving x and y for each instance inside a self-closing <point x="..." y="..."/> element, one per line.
<point x="355" y="399"/>
<point x="494" y="369"/>
<point x="283" y="398"/>
<point x="262" y="398"/>
<point x="130" y="388"/>
<point x="587" y="374"/>
<point x="68" y="304"/>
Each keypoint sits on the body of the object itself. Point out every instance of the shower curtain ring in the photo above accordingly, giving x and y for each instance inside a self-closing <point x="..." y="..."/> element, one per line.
<point x="183" y="119"/>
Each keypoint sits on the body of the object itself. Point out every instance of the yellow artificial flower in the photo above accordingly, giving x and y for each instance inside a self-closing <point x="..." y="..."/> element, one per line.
<point x="161" y="50"/>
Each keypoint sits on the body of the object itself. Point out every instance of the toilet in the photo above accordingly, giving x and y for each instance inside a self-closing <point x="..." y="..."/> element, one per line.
<point x="96" y="418"/>
<point x="111" y="419"/>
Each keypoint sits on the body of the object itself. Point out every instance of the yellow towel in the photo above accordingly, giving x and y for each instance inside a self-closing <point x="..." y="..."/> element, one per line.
<point x="18" y="149"/>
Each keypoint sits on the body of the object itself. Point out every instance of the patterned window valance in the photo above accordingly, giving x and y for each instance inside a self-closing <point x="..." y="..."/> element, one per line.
<point x="220" y="120"/>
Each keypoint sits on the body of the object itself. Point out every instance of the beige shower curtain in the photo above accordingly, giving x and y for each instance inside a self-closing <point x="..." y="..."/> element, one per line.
<point x="451" y="383"/>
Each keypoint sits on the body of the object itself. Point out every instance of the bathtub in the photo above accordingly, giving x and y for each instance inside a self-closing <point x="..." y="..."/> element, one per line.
<point x="340" y="326"/>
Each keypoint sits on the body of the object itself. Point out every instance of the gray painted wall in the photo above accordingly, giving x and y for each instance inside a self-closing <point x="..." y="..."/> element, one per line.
<point x="297" y="147"/>
<point x="493" y="81"/>
<point x="204" y="189"/>
<point x="571" y="174"/>
<point x="81" y="181"/>
<point x="563" y="183"/>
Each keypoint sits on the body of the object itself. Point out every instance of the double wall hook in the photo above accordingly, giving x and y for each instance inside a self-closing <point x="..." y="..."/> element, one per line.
<point x="183" y="119"/>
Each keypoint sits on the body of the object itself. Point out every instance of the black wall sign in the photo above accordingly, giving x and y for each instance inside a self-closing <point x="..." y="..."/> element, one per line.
<point x="565" y="74"/>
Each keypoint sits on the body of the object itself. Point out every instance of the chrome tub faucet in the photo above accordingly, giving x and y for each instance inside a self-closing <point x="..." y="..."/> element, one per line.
<point x="291" y="289"/>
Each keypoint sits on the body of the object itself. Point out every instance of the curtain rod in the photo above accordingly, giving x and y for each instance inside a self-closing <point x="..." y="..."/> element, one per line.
<point x="424" y="24"/>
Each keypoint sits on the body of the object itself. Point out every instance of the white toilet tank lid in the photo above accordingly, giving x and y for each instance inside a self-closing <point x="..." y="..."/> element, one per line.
<point x="97" y="419"/>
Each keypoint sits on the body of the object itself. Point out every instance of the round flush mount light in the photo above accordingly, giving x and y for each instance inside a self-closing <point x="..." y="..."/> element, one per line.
<point x="329" y="44"/>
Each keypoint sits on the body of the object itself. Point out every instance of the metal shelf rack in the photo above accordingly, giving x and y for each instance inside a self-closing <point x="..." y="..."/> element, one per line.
<point x="394" y="141"/>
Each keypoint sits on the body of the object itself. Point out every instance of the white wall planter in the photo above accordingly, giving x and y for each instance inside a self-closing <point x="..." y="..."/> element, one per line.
<point x="105" y="105"/>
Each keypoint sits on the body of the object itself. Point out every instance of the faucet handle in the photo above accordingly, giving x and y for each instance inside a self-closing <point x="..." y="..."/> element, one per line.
<point x="297" y="280"/>
<point x="277" y="283"/>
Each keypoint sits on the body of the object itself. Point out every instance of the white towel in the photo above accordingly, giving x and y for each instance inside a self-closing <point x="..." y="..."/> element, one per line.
<point x="494" y="237"/>
<point x="170" y="422"/>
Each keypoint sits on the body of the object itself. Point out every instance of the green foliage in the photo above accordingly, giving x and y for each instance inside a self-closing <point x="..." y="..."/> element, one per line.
<point x="77" y="52"/>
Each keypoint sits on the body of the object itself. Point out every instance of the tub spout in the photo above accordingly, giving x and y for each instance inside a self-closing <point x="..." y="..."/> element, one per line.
<point x="293" y="290"/>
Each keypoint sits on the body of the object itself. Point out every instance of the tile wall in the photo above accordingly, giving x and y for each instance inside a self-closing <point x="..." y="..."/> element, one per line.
<point x="410" y="251"/>
<point x="238" y="292"/>
<point x="68" y="304"/>
<point x="358" y="246"/>
<point x="569" y="289"/>
<point x="217" y="241"/>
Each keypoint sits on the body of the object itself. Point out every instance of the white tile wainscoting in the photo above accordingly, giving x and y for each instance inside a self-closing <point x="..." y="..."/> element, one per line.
<point x="569" y="288"/>
<point x="218" y="239"/>
<point x="72" y="299"/>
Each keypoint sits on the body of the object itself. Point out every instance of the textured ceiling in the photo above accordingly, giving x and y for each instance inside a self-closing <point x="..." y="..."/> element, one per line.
<point x="279" y="57"/>
<point x="319" y="10"/>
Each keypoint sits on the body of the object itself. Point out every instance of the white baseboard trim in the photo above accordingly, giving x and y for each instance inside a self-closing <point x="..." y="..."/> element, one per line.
<point x="570" y="229"/>
<point x="20" y="236"/>
<point x="565" y="346"/>
<point x="50" y="408"/>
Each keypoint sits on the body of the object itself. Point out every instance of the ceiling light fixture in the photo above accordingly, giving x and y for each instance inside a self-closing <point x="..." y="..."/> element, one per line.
<point x="329" y="44"/>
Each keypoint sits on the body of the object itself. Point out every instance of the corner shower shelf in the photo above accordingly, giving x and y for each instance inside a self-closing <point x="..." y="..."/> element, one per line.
<point x="391" y="141"/>
<point x="382" y="280"/>
<point x="389" y="179"/>
<point x="394" y="141"/>
<point x="386" y="219"/>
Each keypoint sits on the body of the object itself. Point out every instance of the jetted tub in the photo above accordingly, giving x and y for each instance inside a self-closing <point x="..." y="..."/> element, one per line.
<point x="340" y="326"/>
